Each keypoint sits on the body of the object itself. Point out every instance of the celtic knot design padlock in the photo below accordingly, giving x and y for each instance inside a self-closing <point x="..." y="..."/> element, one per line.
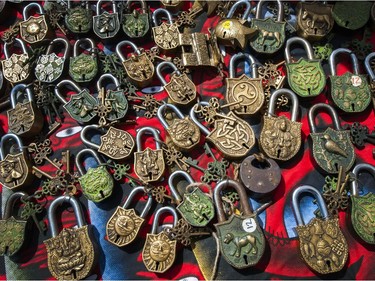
<point x="78" y="19"/>
<point x="136" y="24"/>
<point x="166" y="35"/>
<point x="106" y="25"/>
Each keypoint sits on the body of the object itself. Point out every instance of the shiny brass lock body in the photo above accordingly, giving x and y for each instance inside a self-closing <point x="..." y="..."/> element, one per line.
<point x="166" y="35"/>
<point x="78" y="19"/>
<point x="136" y="23"/>
<point x="105" y="24"/>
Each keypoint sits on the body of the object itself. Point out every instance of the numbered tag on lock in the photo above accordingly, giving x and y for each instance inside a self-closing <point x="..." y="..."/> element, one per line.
<point x="34" y="29"/>
<point x="136" y="24"/>
<point x="351" y="14"/>
<point x="105" y="24"/>
<point x="166" y="35"/>
<point x="78" y="19"/>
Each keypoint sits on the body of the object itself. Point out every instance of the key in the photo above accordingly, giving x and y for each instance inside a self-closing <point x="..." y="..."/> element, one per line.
<point x="41" y="150"/>
<point x="31" y="209"/>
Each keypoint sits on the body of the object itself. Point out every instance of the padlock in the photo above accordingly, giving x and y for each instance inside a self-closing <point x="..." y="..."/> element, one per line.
<point x="246" y="91"/>
<point x="138" y="67"/>
<point x="115" y="143"/>
<point x="16" y="68"/>
<point x="136" y="24"/>
<point x="183" y="131"/>
<point x="166" y="35"/>
<point x="306" y="76"/>
<point x="351" y="14"/>
<point x="96" y="182"/>
<point x="78" y="19"/>
<point x="149" y="164"/>
<point x="72" y="252"/>
<point x="83" y="67"/>
<point x="172" y="5"/>
<point x="271" y="33"/>
<point x="241" y="239"/>
<point x="124" y="225"/>
<point x="24" y="118"/>
<point x="195" y="206"/>
<point x="181" y="90"/>
<point x="15" y="168"/>
<point x="50" y="66"/>
<point x="350" y="91"/>
<point x="363" y="207"/>
<point x="370" y="58"/>
<point x="106" y="25"/>
<point x="333" y="147"/>
<point x="280" y="138"/>
<point x="322" y="244"/>
<point x="159" y="251"/>
<point x="81" y="105"/>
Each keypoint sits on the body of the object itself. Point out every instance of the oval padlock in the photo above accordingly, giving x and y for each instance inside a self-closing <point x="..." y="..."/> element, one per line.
<point x="333" y="147"/>
<point x="105" y="24"/>
<point x="371" y="58"/>
<point x="280" y="137"/>
<point x="350" y="91"/>
<point x="181" y="90"/>
<point x="78" y="19"/>
<point x="322" y="244"/>
<point x="306" y="76"/>
<point x="183" y="131"/>
<point x="124" y="225"/>
<point x="136" y="24"/>
<point x="71" y="252"/>
<point x="96" y="182"/>
<point x="24" y="118"/>
<point x="351" y="14"/>
<point x="159" y="251"/>
<point x="149" y="164"/>
<point x="166" y="35"/>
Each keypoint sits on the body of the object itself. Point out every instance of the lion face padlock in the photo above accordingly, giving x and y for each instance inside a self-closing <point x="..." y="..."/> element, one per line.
<point x="166" y="35"/>
<point x="78" y="19"/>
<point x="106" y="25"/>
<point x="136" y="23"/>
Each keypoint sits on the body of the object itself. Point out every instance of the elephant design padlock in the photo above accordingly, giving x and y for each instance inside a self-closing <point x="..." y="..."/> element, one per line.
<point x="78" y="19"/>
<point x="166" y="35"/>
<point x="105" y="24"/>
<point x="136" y="24"/>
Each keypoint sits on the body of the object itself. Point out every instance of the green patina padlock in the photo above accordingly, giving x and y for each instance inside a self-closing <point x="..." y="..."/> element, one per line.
<point x="78" y="19"/>
<point x="136" y="23"/>
<point x="351" y="14"/>
<point x="106" y="25"/>
<point x="306" y="76"/>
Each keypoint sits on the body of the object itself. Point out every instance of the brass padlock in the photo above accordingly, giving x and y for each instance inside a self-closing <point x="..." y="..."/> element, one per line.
<point x="106" y="25"/>
<point x="370" y="58"/>
<point x="136" y="24"/>
<point x="172" y="5"/>
<point x="124" y="225"/>
<point x="78" y="19"/>
<point x="71" y="253"/>
<point x="333" y="147"/>
<point x="322" y="244"/>
<point x="351" y="14"/>
<point x="166" y="35"/>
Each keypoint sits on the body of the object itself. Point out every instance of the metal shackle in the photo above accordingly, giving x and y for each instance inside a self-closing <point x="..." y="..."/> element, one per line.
<point x="30" y="6"/>
<point x="161" y="110"/>
<point x="360" y="167"/>
<point x="159" y="212"/>
<point x="140" y="132"/>
<point x="84" y="135"/>
<point x="280" y="13"/>
<point x="87" y="4"/>
<point x="81" y="41"/>
<point x="330" y="110"/>
<point x="107" y="76"/>
<point x="143" y="4"/>
<point x="131" y="196"/>
<point x="292" y="97"/>
<point x="306" y="45"/>
<point x="57" y="41"/>
<point x="11" y="201"/>
<point x="6" y="138"/>
<point x="175" y="174"/>
<point x="245" y="57"/>
<point x="237" y="5"/>
<point x="194" y="118"/>
<point x="161" y="66"/>
<point x="63" y="83"/>
<point x="159" y="11"/>
<point x="114" y="7"/>
<point x="80" y="155"/>
<point x="126" y="43"/>
<point x="16" y="40"/>
<point x="20" y="88"/>
<point x="369" y="70"/>
<point x="332" y="60"/>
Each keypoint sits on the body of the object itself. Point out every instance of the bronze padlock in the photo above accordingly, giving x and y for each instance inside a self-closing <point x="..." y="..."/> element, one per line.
<point x="78" y="19"/>
<point x="136" y="24"/>
<point x="166" y="35"/>
<point x="105" y="24"/>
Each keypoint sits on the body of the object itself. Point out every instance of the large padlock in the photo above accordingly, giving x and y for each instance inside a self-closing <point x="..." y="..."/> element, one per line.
<point x="71" y="252"/>
<point x="306" y="76"/>
<point x="78" y="19"/>
<point x="166" y="35"/>
<point x="333" y="147"/>
<point x="136" y="24"/>
<point x="241" y="239"/>
<point x="322" y="244"/>
<point x="124" y="225"/>
<point x="105" y="24"/>
<point x="96" y="182"/>
<point x="350" y="91"/>
<point x="370" y="58"/>
<point x="351" y="14"/>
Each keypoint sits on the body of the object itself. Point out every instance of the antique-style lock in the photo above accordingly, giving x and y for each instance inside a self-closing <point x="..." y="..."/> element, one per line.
<point x="351" y="14"/>
<point x="149" y="164"/>
<point x="306" y="76"/>
<point x="71" y="253"/>
<point x="97" y="182"/>
<point x="136" y="24"/>
<point x="138" y="67"/>
<point x="24" y="118"/>
<point x="115" y="143"/>
<point x="50" y="66"/>
<point x="78" y="19"/>
<point x="183" y="131"/>
<point x="322" y="244"/>
<point x="159" y="251"/>
<point x="83" y="67"/>
<point x="333" y="147"/>
<point x="181" y="90"/>
<point x="363" y="207"/>
<point x="271" y="33"/>
<point x="173" y="5"/>
<point x="166" y="35"/>
<point x="246" y="91"/>
<point x="123" y="226"/>
<point x="106" y="25"/>
<point x="241" y="240"/>
<point x="350" y="91"/>
<point x="370" y="58"/>
<point x="195" y="206"/>
<point x="81" y="105"/>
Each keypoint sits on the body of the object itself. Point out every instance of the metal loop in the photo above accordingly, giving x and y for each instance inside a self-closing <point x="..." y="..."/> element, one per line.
<point x="63" y="83"/>
<point x="161" y="11"/>
<point x="79" y="42"/>
<point x="360" y="167"/>
<point x="107" y="76"/>
<point x="159" y="212"/>
<point x="20" y="88"/>
<point x="161" y="110"/>
<point x="143" y="4"/>
<point x="236" y="5"/>
<point x="80" y="155"/>
<point x="56" y="41"/>
<point x="306" y="45"/>
<point x="85" y="140"/>
<point x="143" y="130"/>
<point x="246" y="57"/>
<point x="114" y="8"/>
<point x="280" y="14"/>
<point x="131" y="196"/>
<point x="126" y="43"/>
<point x="11" y="201"/>
<point x="369" y="70"/>
<point x="332" y="60"/>
<point x="163" y="65"/>
<point x="175" y="174"/>
<point x="292" y="97"/>
<point x="194" y="118"/>
<point x="16" y="40"/>
<point x="28" y="7"/>
<point x="6" y="138"/>
<point x="331" y="111"/>
<point x="69" y="6"/>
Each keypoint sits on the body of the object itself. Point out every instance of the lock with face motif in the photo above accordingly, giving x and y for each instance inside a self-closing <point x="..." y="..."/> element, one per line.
<point x="106" y="25"/>
<point x="351" y="14"/>
<point x="166" y="35"/>
<point x="78" y="19"/>
<point x="322" y="244"/>
<point x="136" y="24"/>
<point x="370" y="58"/>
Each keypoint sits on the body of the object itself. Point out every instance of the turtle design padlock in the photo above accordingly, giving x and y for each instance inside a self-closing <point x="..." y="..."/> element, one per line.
<point x="136" y="24"/>
<point x="71" y="252"/>
<point x="105" y="24"/>
<point x="370" y="58"/>
<point x="333" y="147"/>
<point x="78" y="19"/>
<point x="166" y="35"/>
<point x="321" y="242"/>
<point x="351" y="14"/>
<point x="124" y="225"/>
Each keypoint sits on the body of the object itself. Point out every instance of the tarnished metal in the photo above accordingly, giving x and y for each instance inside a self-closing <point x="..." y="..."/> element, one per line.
<point x="105" y="24"/>
<point x="16" y="68"/>
<point x="136" y="23"/>
<point x="351" y="14"/>
<point x="166" y="35"/>
<point x="78" y="19"/>
<point x="34" y="29"/>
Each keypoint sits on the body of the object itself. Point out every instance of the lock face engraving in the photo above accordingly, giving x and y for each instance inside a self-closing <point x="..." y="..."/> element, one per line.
<point x="78" y="19"/>
<point x="83" y="68"/>
<point x="16" y="68"/>
<point x="343" y="13"/>
<point x="33" y="29"/>
<point x="166" y="35"/>
<point x="106" y="25"/>
<point x="136" y="24"/>
<point x="116" y="144"/>
<point x="49" y="67"/>
<point x="80" y="106"/>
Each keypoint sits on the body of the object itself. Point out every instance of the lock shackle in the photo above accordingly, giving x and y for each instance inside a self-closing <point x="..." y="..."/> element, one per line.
<point x="330" y="110"/>
<point x="175" y="174"/>
<point x="84" y="134"/>
<point x="194" y="118"/>
<point x="159" y="11"/>
<point x="241" y="192"/>
<point x="332" y="60"/>
<point x="6" y="138"/>
<point x="126" y="43"/>
<point x="246" y="57"/>
<point x="16" y="40"/>
<point x="57" y="41"/>
<point x="317" y="195"/>
<point x="301" y="41"/>
<point x="237" y="5"/>
<point x="369" y="70"/>
<point x="69" y="6"/>
<point x="162" y="109"/>
<point x="20" y="88"/>
<point x="72" y="201"/>
<point x="280" y="13"/>
<point x="80" y="155"/>
<point x="30" y="6"/>
<point x="11" y="201"/>
<point x="107" y="76"/>
<point x="159" y="212"/>
<point x="114" y="8"/>
<point x="68" y="83"/>
<point x="360" y="167"/>
<point x="140" y="132"/>
<point x="131" y="196"/>
<point x="163" y="65"/>
<point x="143" y="4"/>
<point x="291" y="96"/>
<point x="81" y="41"/>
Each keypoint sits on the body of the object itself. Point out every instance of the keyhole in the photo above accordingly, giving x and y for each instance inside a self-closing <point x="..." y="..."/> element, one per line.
<point x="315" y="30"/>
<point x="278" y="153"/>
<point x="328" y="263"/>
<point x="245" y="259"/>
<point x="336" y="166"/>
<point x="225" y="33"/>
<point x="117" y="238"/>
<point x="191" y="140"/>
<point x="144" y="73"/>
<point x="353" y="107"/>
<point x="346" y="23"/>
<point x="80" y="28"/>
<point x="149" y="175"/>
<point x="6" y="250"/>
<point x="74" y="274"/>
<point x="157" y="265"/>
<point x="83" y="77"/>
<point x="245" y="145"/>
<point x="245" y="108"/>
<point x="205" y="216"/>
<point x="101" y="193"/>
<point x="309" y="91"/>
<point x="264" y="48"/>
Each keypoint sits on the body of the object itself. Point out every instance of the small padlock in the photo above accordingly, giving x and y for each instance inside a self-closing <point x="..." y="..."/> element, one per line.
<point x="350" y="91"/>
<point x="97" y="182"/>
<point x="241" y="240"/>
<point x="149" y="164"/>
<point x="106" y="25"/>
<point x="166" y="35"/>
<point x="371" y="58"/>
<point x="181" y="90"/>
<point x="172" y="5"/>
<point x="78" y="19"/>
<point x="183" y="131"/>
<point x="322" y="244"/>
<point x="351" y="14"/>
<point x="136" y="24"/>
<point x="306" y="76"/>
<point x="124" y="225"/>
<point x="159" y="251"/>
<point x="333" y="147"/>
<point x="71" y="253"/>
